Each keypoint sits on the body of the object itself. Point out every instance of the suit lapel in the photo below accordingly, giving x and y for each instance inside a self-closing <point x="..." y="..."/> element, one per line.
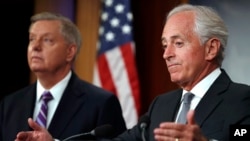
<point x="173" y="109"/>
<point x="167" y="106"/>
<point x="70" y="103"/>
<point x="212" y="98"/>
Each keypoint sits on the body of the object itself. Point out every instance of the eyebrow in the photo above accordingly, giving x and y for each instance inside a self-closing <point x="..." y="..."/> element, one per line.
<point x="171" y="38"/>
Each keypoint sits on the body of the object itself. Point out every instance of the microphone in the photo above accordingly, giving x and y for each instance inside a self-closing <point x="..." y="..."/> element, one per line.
<point x="100" y="131"/>
<point x="144" y="122"/>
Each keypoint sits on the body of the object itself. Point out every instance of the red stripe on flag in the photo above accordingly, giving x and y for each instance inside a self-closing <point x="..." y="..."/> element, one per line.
<point x="105" y="74"/>
<point x="129" y="61"/>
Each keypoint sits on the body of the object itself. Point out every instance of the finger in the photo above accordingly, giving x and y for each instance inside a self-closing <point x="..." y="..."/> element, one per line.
<point x="190" y="117"/>
<point x="21" y="136"/>
<point x="34" y="125"/>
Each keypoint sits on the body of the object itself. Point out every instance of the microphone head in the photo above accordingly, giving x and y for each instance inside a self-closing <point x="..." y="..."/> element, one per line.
<point x="144" y="121"/>
<point x="103" y="131"/>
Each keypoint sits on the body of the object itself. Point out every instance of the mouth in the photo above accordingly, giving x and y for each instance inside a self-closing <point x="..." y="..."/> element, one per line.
<point x="34" y="58"/>
<point x="171" y="65"/>
<point x="172" y="68"/>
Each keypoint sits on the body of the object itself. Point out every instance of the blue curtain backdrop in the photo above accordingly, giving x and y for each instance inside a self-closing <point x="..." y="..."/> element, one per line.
<point x="237" y="18"/>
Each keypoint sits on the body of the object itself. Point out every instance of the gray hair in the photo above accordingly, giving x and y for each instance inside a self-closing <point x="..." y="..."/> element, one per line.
<point x="208" y="24"/>
<point x="68" y="29"/>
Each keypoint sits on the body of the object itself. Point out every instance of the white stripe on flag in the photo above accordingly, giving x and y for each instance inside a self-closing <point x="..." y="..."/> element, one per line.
<point x="121" y="82"/>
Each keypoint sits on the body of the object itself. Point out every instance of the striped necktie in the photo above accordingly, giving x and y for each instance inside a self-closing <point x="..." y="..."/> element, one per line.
<point x="42" y="115"/>
<point x="182" y="118"/>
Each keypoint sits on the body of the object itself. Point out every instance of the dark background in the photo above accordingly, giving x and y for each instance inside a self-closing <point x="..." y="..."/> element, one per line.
<point x="14" y="41"/>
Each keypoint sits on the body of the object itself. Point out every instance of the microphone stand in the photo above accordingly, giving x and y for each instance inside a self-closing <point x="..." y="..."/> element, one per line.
<point x="77" y="135"/>
<point x="143" y="134"/>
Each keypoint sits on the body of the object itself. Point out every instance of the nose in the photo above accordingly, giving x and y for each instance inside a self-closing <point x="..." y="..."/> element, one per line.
<point x="168" y="52"/>
<point x="35" y="45"/>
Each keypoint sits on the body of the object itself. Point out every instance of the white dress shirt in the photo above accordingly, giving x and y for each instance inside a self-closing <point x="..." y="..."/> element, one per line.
<point x="200" y="89"/>
<point x="56" y="91"/>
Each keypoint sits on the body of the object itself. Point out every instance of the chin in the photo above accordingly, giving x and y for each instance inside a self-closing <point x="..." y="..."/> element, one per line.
<point x="36" y="69"/>
<point x="174" y="77"/>
<point x="177" y="81"/>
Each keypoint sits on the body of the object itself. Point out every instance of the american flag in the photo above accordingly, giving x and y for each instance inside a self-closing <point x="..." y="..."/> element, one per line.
<point x="115" y="69"/>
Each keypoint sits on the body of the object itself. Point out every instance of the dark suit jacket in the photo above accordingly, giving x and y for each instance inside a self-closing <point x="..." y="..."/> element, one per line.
<point x="82" y="108"/>
<point x="224" y="104"/>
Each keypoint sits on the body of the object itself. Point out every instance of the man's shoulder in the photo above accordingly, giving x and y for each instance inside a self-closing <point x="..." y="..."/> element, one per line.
<point x="173" y="94"/>
<point x="20" y="92"/>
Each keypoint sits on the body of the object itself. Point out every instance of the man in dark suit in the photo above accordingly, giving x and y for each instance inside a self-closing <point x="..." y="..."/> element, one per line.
<point x="194" y="39"/>
<point x="77" y="106"/>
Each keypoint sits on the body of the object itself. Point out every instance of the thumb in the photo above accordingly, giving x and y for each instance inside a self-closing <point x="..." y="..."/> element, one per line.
<point x="34" y="125"/>
<point x="190" y="117"/>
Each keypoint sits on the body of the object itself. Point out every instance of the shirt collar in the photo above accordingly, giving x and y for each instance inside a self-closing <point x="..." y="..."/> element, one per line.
<point x="202" y="87"/>
<point x="56" y="91"/>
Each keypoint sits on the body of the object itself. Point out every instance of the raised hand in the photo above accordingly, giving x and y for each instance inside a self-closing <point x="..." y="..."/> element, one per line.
<point x="38" y="134"/>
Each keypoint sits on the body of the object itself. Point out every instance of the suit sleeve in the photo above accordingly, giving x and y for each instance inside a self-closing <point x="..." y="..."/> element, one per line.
<point x="111" y="113"/>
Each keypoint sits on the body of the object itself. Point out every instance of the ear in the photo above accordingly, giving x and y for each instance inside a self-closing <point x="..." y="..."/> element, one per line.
<point x="212" y="48"/>
<point x="71" y="52"/>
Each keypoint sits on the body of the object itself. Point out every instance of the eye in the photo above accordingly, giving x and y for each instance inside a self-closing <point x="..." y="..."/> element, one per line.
<point x="31" y="39"/>
<point x="164" y="46"/>
<point x="178" y="44"/>
<point x="48" y="41"/>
